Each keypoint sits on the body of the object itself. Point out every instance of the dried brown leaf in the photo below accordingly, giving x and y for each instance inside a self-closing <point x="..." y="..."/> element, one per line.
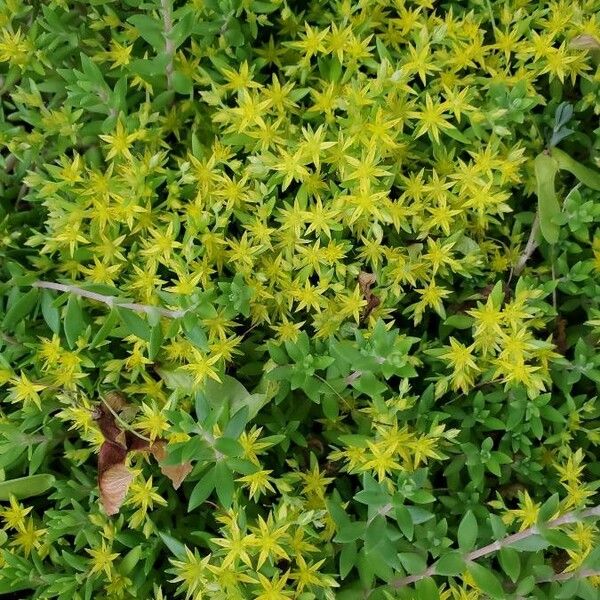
<point x="110" y="429"/>
<point x="113" y="476"/>
<point x="365" y="281"/>
<point x="135" y="443"/>
<point x="176" y="473"/>
<point x="585" y="41"/>
<point x="115" y="400"/>
<point x="110" y="454"/>
<point x="113" y="484"/>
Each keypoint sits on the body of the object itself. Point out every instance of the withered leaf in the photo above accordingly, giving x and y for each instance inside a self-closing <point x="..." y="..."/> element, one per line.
<point x="110" y="454"/>
<point x="176" y="473"/>
<point x="585" y="41"/>
<point x="114" y="483"/>
<point x="114" y="477"/>
<point x="365" y="281"/>
<point x="109" y="427"/>
<point x="115" y="400"/>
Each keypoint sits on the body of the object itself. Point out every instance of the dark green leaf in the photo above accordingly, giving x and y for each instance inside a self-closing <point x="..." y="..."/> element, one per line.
<point x="174" y="545"/>
<point x="426" y="589"/>
<point x="330" y="406"/>
<point x="587" y="176"/>
<point x="202" y="489"/>
<point x="450" y="564"/>
<point x="156" y="338"/>
<point x="130" y="560"/>
<point x="50" y="313"/>
<point x="558" y="539"/>
<point x="348" y="557"/>
<point x="74" y="323"/>
<point x="350" y="531"/>
<point x="224" y="483"/>
<point x="533" y="543"/>
<point x="150" y="30"/>
<point x="412" y="562"/>
<point x="236" y="424"/>
<point x="376" y="532"/>
<point x="20" y="309"/>
<point x="229" y="447"/>
<point x="405" y="521"/>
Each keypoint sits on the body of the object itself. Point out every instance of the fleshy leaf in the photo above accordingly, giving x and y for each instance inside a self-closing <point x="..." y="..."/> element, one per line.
<point x="587" y="176"/>
<point x="545" y="172"/>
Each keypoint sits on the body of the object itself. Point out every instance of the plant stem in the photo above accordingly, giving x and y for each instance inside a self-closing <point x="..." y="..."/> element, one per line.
<point x="353" y="377"/>
<point x="167" y="18"/>
<point x="9" y="339"/>
<point x="554" y="300"/>
<point x="110" y="300"/>
<point x="567" y="518"/>
<point x="532" y="244"/>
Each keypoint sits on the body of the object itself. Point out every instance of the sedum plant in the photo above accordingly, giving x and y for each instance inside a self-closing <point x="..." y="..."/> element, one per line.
<point x="299" y="299"/>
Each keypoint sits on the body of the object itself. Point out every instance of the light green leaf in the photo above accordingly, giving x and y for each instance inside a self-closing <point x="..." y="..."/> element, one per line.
<point x="50" y="313"/>
<point x="25" y="487"/>
<point x="74" y="321"/>
<point x="548" y="207"/>
<point x="109" y="324"/>
<point x="487" y="581"/>
<point x="587" y="176"/>
<point x="20" y="309"/>
<point x="510" y="562"/>
<point x="467" y="531"/>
